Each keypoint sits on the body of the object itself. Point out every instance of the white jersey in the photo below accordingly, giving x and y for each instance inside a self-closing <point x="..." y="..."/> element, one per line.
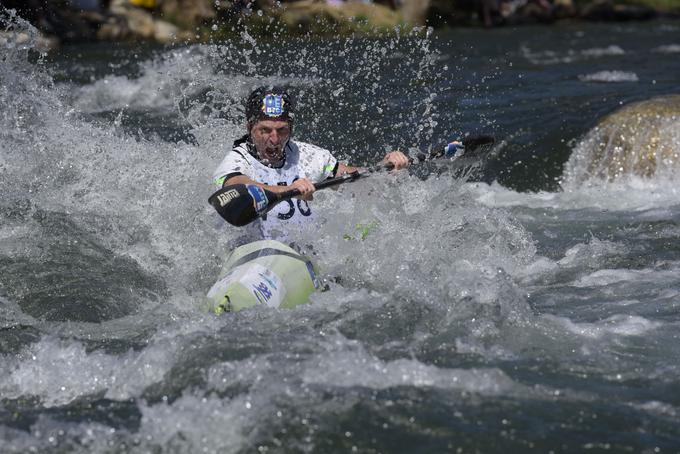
<point x="302" y="160"/>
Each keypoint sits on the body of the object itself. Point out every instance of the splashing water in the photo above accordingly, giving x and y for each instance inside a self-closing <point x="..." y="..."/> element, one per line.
<point x="639" y="140"/>
<point x="467" y="316"/>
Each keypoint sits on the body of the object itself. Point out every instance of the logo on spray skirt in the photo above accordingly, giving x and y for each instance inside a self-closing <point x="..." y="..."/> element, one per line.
<point x="266" y="286"/>
<point x="227" y="197"/>
<point x="263" y="285"/>
<point x="272" y="105"/>
<point x="260" y="201"/>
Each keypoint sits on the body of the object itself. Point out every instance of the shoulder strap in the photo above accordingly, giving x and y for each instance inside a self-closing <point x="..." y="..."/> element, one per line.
<point x="243" y="144"/>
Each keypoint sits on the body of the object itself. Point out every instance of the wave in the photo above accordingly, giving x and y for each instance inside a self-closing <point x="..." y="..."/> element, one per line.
<point x="667" y="49"/>
<point x="610" y="77"/>
<point x="551" y="57"/>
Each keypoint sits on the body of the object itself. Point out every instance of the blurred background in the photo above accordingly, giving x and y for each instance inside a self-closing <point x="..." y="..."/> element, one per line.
<point x="201" y="20"/>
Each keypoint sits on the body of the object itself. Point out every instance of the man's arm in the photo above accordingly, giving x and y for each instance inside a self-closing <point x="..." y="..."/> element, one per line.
<point x="398" y="160"/>
<point x="303" y="185"/>
<point x="306" y="187"/>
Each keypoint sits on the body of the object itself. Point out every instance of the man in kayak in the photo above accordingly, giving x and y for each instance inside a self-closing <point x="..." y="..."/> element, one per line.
<point x="267" y="157"/>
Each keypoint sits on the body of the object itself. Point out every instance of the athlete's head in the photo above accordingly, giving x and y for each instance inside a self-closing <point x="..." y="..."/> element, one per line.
<point x="270" y="103"/>
<point x="270" y="113"/>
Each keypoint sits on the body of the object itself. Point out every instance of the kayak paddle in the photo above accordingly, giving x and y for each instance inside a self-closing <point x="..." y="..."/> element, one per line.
<point x="241" y="204"/>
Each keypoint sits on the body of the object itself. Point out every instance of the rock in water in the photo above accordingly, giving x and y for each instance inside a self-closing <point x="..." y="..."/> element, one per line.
<point x="640" y="139"/>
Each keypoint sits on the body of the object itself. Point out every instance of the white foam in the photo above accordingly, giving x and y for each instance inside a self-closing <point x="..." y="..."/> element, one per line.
<point x="50" y="435"/>
<point x="476" y="248"/>
<point x="163" y="83"/>
<point x="579" y="257"/>
<point x="358" y="368"/>
<point x="668" y="49"/>
<point x="60" y="371"/>
<point x="610" y="76"/>
<point x="618" y="325"/>
<point x="605" y="277"/>
<point x="551" y="57"/>
<point x="196" y="424"/>
<point x="603" y="51"/>
<point x="653" y="198"/>
<point x="540" y="267"/>
<point x="585" y="255"/>
<point x="118" y="92"/>
<point x="602" y="278"/>
<point x="656" y="407"/>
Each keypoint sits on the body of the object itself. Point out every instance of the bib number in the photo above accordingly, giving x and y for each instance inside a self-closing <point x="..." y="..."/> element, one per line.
<point x="302" y="206"/>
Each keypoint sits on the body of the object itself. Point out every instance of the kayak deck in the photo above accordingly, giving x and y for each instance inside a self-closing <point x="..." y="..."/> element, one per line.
<point x="264" y="272"/>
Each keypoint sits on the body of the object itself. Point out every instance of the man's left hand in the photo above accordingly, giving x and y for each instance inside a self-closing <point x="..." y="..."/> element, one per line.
<point x="398" y="159"/>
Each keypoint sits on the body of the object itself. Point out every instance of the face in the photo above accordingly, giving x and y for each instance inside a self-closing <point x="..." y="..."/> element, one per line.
<point x="269" y="137"/>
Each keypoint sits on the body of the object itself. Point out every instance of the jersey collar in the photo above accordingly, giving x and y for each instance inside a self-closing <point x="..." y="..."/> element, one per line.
<point x="250" y="146"/>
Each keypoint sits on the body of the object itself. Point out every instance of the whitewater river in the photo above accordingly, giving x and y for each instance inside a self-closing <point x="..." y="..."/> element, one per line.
<point x="529" y="308"/>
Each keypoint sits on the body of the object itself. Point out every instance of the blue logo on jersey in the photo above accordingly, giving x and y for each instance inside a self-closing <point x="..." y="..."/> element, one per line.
<point x="259" y="198"/>
<point x="272" y="105"/>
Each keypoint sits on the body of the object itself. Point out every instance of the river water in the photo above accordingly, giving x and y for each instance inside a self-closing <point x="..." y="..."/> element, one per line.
<point x="510" y="308"/>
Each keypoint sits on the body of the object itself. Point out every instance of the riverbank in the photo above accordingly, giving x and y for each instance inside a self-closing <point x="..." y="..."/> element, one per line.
<point x="172" y="21"/>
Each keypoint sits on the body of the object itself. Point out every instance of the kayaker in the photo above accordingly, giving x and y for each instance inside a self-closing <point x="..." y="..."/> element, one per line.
<point x="267" y="157"/>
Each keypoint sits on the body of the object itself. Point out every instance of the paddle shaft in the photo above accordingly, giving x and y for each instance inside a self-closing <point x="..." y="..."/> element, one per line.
<point x="325" y="184"/>
<point x="471" y="143"/>
<point x="240" y="204"/>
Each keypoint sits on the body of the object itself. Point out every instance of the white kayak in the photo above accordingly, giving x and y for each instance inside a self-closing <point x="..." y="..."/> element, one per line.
<point x="262" y="273"/>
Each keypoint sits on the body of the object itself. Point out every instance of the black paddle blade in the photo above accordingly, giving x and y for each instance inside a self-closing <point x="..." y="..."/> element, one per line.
<point x="471" y="143"/>
<point x="469" y="146"/>
<point x="241" y="204"/>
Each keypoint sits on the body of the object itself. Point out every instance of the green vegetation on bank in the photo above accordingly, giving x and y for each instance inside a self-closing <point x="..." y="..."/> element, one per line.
<point x="323" y="18"/>
<point x="317" y="18"/>
<point x="662" y="6"/>
<point x="310" y="18"/>
<point x="215" y="20"/>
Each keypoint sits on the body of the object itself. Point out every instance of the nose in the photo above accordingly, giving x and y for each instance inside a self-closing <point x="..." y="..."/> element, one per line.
<point x="274" y="137"/>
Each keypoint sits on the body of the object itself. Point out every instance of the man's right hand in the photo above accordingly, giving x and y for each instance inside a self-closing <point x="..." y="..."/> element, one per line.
<point x="397" y="159"/>
<point x="306" y="188"/>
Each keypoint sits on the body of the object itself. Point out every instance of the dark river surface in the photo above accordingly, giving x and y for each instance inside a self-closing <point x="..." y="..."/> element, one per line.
<point x="520" y="307"/>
